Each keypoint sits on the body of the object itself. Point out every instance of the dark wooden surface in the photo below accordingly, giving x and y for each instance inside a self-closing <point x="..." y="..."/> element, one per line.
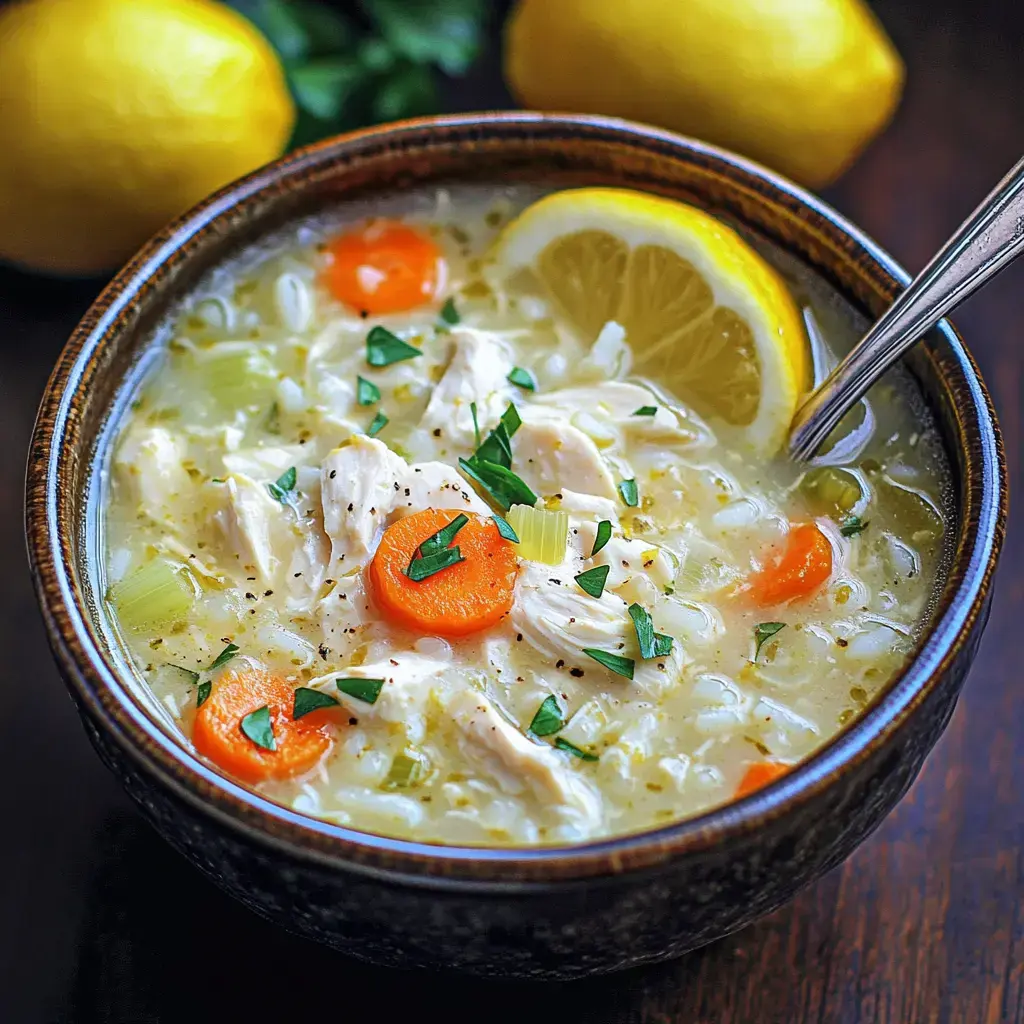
<point x="99" y="921"/>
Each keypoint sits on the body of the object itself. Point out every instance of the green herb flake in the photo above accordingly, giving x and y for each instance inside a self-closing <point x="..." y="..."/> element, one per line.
<point x="307" y="700"/>
<point x="645" y="635"/>
<point x="662" y="645"/>
<point x="614" y="662"/>
<point x="420" y="568"/>
<point x="630" y="495"/>
<point x="497" y="448"/>
<point x="366" y="690"/>
<point x="272" y="424"/>
<point x="443" y="538"/>
<point x="548" y="718"/>
<point x="449" y="315"/>
<point x="593" y="580"/>
<point x="224" y="657"/>
<point x="380" y="421"/>
<point x="852" y="525"/>
<point x="203" y="692"/>
<point x="505" y="529"/>
<point x="604" y="534"/>
<point x="366" y="391"/>
<point x="765" y="631"/>
<point x="502" y="487"/>
<point x="571" y="748"/>
<point x="281" y="489"/>
<point x="384" y="348"/>
<point x="476" y="423"/>
<point x="646" y="410"/>
<point x="522" y="379"/>
<point x="257" y="727"/>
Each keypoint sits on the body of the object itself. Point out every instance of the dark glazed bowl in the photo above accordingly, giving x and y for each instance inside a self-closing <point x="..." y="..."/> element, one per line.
<point x="557" y="912"/>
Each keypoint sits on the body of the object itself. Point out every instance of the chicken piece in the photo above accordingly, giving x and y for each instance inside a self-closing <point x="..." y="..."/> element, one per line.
<point x="627" y="558"/>
<point x="586" y="507"/>
<point x="150" y="460"/>
<point x="248" y="521"/>
<point x="477" y="372"/>
<point x="524" y="763"/>
<point x="265" y="463"/>
<point x="436" y="485"/>
<point x="551" y="454"/>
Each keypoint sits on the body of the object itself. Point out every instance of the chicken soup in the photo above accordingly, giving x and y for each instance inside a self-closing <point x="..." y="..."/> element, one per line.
<point x="462" y="518"/>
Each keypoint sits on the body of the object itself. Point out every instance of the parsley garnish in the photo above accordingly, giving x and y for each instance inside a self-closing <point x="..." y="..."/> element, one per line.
<point x="281" y="489"/>
<point x="440" y="540"/>
<point x="224" y="657"/>
<point x="476" y="423"/>
<point x="604" y="534"/>
<point x="548" y="718"/>
<point x="384" y="348"/>
<point x="618" y="664"/>
<point x="497" y="448"/>
<point x="593" y="580"/>
<point x="852" y="525"/>
<point x="449" y="315"/>
<point x="646" y="410"/>
<point x="203" y="692"/>
<point x="627" y="488"/>
<point x="366" y="391"/>
<point x="501" y="485"/>
<point x="420" y="568"/>
<point x="652" y="644"/>
<point x="505" y="529"/>
<point x="571" y="748"/>
<point x="257" y="727"/>
<point x="307" y="699"/>
<point x="366" y="690"/>
<point x="765" y="631"/>
<point x="380" y="421"/>
<point x="522" y="379"/>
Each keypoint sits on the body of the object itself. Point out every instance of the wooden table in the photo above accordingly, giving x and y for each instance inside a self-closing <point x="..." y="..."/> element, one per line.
<point x="99" y="921"/>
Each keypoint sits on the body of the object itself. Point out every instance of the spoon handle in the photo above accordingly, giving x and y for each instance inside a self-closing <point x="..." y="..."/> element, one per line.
<point x="990" y="239"/>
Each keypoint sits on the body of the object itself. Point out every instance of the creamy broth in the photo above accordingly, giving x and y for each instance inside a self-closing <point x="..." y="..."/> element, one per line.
<point x="213" y="541"/>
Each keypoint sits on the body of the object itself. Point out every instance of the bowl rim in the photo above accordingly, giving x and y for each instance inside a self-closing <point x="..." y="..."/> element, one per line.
<point x="98" y="691"/>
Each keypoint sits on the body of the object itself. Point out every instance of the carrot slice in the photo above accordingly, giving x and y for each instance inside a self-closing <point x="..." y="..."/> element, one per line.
<point x="757" y="776"/>
<point x="384" y="266"/>
<point x="463" y="598"/>
<point x="217" y="733"/>
<point x="802" y="567"/>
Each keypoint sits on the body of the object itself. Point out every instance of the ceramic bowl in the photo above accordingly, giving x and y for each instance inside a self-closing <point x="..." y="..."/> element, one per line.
<point x="555" y="912"/>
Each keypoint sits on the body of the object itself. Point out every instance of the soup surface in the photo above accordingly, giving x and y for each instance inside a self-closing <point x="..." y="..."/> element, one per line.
<point x="703" y="617"/>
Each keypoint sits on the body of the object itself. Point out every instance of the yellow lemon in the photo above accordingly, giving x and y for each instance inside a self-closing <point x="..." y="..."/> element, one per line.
<point x="703" y="313"/>
<point x="800" y="85"/>
<point x="117" y="115"/>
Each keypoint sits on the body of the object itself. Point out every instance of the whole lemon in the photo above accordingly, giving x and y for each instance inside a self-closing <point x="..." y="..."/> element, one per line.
<point x="800" y="85"/>
<point x="117" y="115"/>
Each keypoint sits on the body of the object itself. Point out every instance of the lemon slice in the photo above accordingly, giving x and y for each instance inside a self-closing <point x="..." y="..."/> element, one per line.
<point x="704" y="314"/>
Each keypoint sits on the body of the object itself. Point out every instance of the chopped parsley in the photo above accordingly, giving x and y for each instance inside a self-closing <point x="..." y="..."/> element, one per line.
<point x="257" y="727"/>
<point x="501" y="485"/>
<point x="366" y="690"/>
<point x="852" y="525"/>
<point x="384" y="348"/>
<point x="604" y="534"/>
<point x="630" y="495"/>
<point x="765" y="631"/>
<point x="522" y="379"/>
<point x="593" y="580"/>
<point x="366" y="391"/>
<point x="449" y="315"/>
<point x="281" y="489"/>
<point x="203" y="692"/>
<point x="505" y="529"/>
<point x="380" y="421"/>
<point x="443" y="538"/>
<point x="420" y="568"/>
<point x="615" y="662"/>
<point x="476" y="423"/>
<point x="224" y="657"/>
<point x="652" y="644"/>
<point x="307" y="700"/>
<point x="646" y="410"/>
<point x="497" y="448"/>
<point x="548" y="718"/>
<point x="571" y="748"/>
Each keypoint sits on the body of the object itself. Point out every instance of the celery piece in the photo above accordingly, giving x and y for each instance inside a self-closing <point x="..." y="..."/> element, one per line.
<point x="407" y="770"/>
<point x="543" y="534"/>
<point x="155" y="595"/>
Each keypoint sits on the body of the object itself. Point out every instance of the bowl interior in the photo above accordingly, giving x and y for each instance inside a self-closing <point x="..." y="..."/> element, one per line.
<point x="108" y="354"/>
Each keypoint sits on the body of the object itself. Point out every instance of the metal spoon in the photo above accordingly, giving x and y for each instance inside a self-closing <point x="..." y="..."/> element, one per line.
<point x="989" y="240"/>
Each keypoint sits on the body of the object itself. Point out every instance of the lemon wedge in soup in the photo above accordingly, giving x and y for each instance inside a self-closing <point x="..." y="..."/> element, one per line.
<point x="704" y="314"/>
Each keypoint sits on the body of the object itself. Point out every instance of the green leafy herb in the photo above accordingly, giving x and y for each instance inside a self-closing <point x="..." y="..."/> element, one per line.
<point x="366" y="690"/>
<point x="281" y="489"/>
<point x="203" y="692"/>
<point x="646" y="410"/>
<point x="430" y="32"/>
<point x="618" y="664"/>
<point x="380" y="421"/>
<point x="420" y="568"/>
<point x="627" y="488"/>
<point x="449" y="315"/>
<point x="272" y="424"/>
<point x="501" y="485"/>
<point x="366" y="391"/>
<point x="852" y="525"/>
<point x="505" y="529"/>
<point x="440" y="540"/>
<point x="307" y="699"/>
<point x="384" y="348"/>
<point x="257" y="727"/>
<point x="548" y="718"/>
<point x="662" y="645"/>
<point x="593" y="580"/>
<point x="476" y="423"/>
<point x="571" y="748"/>
<point x="321" y="85"/>
<point x="765" y="631"/>
<point x="522" y="379"/>
<point x="497" y="448"/>
<point x="604" y="534"/>
<point x="224" y="657"/>
<point x="644" y="630"/>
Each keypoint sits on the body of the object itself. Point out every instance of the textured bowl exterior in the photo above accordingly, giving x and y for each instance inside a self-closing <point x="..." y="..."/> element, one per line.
<point x="549" y="913"/>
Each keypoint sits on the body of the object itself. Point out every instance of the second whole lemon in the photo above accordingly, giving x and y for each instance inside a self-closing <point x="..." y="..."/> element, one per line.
<point x="117" y="115"/>
<point x="800" y="85"/>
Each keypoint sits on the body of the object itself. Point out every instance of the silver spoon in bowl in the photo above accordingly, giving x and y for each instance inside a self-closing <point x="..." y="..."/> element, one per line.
<point x="988" y="241"/>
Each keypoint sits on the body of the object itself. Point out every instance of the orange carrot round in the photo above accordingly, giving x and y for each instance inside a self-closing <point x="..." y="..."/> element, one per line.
<point x="384" y="266"/>
<point x="217" y="733"/>
<point x="802" y="567"/>
<point x="463" y="598"/>
<point x="757" y="776"/>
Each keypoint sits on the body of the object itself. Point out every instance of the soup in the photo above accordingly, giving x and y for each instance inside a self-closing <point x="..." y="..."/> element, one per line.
<point x="396" y="539"/>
